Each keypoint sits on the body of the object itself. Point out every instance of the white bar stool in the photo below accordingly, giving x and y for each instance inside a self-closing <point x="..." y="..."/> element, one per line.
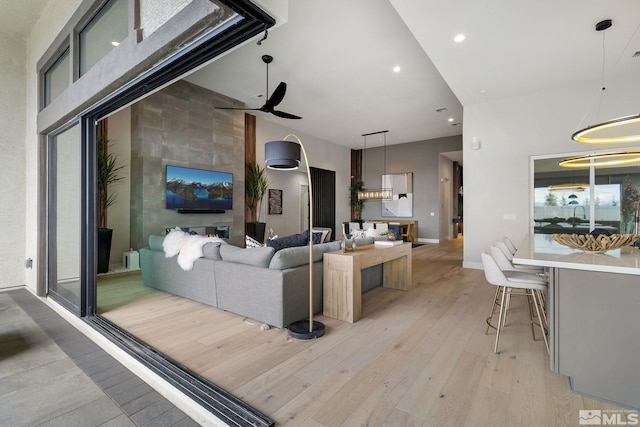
<point x="514" y="283"/>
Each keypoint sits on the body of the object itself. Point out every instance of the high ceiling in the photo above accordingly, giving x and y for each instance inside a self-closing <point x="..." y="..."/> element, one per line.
<point x="337" y="58"/>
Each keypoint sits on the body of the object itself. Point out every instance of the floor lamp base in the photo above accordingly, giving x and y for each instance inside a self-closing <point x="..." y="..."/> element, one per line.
<point x="300" y="330"/>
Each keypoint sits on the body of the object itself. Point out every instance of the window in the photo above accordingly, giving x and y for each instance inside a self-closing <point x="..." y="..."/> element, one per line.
<point x="578" y="201"/>
<point x="105" y="31"/>
<point x="56" y="78"/>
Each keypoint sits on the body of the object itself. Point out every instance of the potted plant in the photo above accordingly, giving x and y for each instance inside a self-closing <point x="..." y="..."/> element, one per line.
<point x="256" y="184"/>
<point x="108" y="173"/>
<point x="356" y="204"/>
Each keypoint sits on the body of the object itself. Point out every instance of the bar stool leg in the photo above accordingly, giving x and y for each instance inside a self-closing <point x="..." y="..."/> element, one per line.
<point x="496" y="301"/>
<point x="502" y="311"/>
<point x="544" y="334"/>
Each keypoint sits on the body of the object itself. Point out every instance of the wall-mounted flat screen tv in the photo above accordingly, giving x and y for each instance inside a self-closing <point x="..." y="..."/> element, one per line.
<point x="198" y="190"/>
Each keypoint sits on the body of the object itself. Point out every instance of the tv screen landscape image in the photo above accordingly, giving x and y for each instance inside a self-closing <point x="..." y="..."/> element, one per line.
<point x="198" y="190"/>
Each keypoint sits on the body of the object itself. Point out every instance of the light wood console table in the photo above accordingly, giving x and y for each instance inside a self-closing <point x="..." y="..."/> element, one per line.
<point x="342" y="279"/>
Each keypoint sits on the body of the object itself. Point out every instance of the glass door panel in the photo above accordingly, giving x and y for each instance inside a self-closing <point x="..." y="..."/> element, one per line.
<point x="65" y="192"/>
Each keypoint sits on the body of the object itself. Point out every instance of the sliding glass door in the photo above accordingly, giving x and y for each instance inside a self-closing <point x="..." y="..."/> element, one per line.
<point x="64" y="218"/>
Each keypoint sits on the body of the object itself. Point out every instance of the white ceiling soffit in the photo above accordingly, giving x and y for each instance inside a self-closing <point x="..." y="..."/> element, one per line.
<point x="515" y="47"/>
<point x="337" y="59"/>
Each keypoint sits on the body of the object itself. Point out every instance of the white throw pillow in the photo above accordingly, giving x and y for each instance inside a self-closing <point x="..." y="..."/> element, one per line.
<point x="371" y="232"/>
<point x="250" y="242"/>
<point x="382" y="227"/>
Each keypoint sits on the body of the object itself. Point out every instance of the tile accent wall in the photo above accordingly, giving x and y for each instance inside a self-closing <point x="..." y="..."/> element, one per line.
<point x="180" y="126"/>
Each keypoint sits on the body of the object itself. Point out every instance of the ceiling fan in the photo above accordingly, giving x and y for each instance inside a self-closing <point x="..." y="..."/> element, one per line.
<point x="276" y="97"/>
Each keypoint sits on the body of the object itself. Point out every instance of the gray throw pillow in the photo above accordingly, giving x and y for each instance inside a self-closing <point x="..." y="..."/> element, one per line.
<point x="211" y="250"/>
<point x="259" y="257"/>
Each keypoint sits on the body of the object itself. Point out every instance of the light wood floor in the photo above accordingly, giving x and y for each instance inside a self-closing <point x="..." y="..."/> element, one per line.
<point x="416" y="358"/>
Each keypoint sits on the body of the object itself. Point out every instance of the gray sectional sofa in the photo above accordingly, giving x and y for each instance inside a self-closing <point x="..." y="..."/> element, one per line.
<point x="259" y="283"/>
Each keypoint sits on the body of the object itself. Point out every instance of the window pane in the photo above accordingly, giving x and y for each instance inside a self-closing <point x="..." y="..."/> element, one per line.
<point x="612" y="198"/>
<point x="561" y="198"/>
<point x="616" y="193"/>
<point x="105" y="31"/>
<point x="65" y="221"/>
<point x="56" y="78"/>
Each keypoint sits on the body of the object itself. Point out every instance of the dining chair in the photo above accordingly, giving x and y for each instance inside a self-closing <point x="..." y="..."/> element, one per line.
<point x="408" y="234"/>
<point x="507" y="241"/>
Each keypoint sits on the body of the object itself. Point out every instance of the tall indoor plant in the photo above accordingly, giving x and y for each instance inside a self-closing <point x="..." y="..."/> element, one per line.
<point x="256" y="184"/>
<point x="108" y="172"/>
<point x="356" y="203"/>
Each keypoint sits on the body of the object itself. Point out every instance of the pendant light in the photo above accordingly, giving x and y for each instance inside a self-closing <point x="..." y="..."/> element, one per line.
<point x="379" y="193"/>
<point x="615" y="131"/>
<point x="576" y="187"/>
<point x="602" y="159"/>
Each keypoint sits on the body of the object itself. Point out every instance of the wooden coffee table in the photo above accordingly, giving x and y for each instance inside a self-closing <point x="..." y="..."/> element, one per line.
<point x="342" y="278"/>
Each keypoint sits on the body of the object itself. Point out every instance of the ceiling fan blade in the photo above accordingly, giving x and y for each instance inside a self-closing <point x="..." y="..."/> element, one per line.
<point x="276" y="97"/>
<point x="284" y="115"/>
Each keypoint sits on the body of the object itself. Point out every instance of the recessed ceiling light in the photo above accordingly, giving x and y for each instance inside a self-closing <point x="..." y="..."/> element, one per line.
<point x="459" y="38"/>
<point x="450" y="119"/>
<point x="115" y="43"/>
<point x="483" y="91"/>
<point x="396" y="69"/>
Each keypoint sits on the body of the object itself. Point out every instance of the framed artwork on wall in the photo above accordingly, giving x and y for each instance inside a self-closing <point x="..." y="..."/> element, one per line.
<point x="401" y="202"/>
<point x="275" y="202"/>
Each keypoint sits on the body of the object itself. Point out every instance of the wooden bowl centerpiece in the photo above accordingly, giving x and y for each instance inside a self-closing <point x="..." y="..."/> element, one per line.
<point x="595" y="243"/>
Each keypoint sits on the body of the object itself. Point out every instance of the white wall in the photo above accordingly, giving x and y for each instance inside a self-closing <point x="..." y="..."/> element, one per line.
<point x="12" y="160"/>
<point x="497" y="177"/>
<point x="424" y="160"/>
<point x="53" y="17"/>
<point x="322" y="154"/>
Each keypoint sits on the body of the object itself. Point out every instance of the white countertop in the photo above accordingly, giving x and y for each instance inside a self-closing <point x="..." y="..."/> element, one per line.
<point x="542" y="250"/>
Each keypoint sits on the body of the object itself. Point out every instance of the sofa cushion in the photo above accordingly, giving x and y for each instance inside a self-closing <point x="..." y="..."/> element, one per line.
<point x="293" y="240"/>
<point x="293" y="257"/>
<point x="297" y="256"/>
<point x="259" y="257"/>
<point x="155" y="242"/>
<point x="211" y="250"/>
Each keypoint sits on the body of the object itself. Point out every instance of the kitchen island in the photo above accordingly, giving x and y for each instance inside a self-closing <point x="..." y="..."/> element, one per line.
<point x="593" y="308"/>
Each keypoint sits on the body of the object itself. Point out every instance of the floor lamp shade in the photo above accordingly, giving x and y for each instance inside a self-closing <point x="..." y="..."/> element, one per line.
<point x="282" y="155"/>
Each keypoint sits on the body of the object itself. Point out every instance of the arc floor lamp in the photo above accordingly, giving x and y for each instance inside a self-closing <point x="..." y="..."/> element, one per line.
<point x="285" y="155"/>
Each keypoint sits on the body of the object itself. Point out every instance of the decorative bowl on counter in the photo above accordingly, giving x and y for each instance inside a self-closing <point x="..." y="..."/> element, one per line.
<point x="595" y="244"/>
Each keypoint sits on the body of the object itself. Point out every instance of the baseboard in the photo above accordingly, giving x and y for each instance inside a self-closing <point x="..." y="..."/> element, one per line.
<point x="473" y="265"/>
<point x="423" y="240"/>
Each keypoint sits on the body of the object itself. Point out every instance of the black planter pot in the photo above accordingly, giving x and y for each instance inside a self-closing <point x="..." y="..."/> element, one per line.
<point x="104" y="249"/>
<point x="256" y="230"/>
